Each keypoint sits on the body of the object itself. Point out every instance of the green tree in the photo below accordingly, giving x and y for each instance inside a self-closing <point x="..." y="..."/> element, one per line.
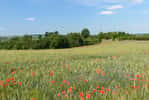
<point x="85" y="33"/>
<point x="59" y="42"/>
<point x="75" y="39"/>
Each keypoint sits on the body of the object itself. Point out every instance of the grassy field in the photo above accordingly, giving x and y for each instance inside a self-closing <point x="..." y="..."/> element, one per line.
<point x="107" y="71"/>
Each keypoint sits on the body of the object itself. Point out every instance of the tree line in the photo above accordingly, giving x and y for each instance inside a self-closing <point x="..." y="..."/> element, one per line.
<point x="54" y="40"/>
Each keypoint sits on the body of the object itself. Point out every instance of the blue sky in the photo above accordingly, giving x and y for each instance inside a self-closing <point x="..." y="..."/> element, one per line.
<point x="19" y="17"/>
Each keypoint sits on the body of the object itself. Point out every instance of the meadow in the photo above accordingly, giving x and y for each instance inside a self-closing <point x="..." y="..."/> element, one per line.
<point x="106" y="71"/>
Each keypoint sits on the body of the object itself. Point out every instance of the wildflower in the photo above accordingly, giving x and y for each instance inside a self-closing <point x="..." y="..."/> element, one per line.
<point x="6" y="84"/>
<point x="132" y="79"/>
<point x="51" y="73"/>
<point x="102" y="88"/>
<point x="12" y="73"/>
<point x="81" y="94"/>
<point x="107" y="89"/>
<point x="33" y="73"/>
<point x="82" y="98"/>
<point x="68" y="68"/>
<point x="100" y="69"/>
<point x="88" y="96"/>
<point x="85" y="80"/>
<point x="117" y="87"/>
<point x="102" y="91"/>
<point x="134" y="87"/>
<point x="58" y="94"/>
<point x="79" y="77"/>
<point x="64" y="81"/>
<point x="138" y="76"/>
<point x="113" y="56"/>
<point x="61" y="85"/>
<point x="66" y="95"/>
<point x="63" y="92"/>
<point x="33" y="98"/>
<point x="127" y="74"/>
<point x="67" y="65"/>
<point x="12" y="81"/>
<point x="13" y="78"/>
<point x="68" y="83"/>
<point x="97" y="87"/>
<point x="20" y="83"/>
<point x="7" y="80"/>
<point x="103" y="73"/>
<point x="52" y="82"/>
<point x="69" y="90"/>
<point x="97" y="71"/>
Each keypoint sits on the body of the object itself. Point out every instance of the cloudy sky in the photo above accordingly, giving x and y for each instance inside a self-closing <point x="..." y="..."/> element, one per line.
<point x="19" y="17"/>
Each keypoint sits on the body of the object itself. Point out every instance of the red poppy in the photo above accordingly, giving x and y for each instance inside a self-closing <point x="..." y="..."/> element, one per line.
<point x="97" y="87"/>
<point x="52" y="82"/>
<point x="13" y="78"/>
<point x="51" y="73"/>
<point x="12" y="81"/>
<point x="102" y="91"/>
<point x="66" y="95"/>
<point x="33" y="73"/>
<point x="68" y="83"/>
<point x="117" y="87"/>
<point x="82" y="98"/>
<point x="81" y="94"/>
<point x="103" y="73"/>
<point x="64" y="81"/>
<point x="33" y="98"/>
<point x="102" y="88"/>
<point x="113" y="56"/>
<point x="69" y="90"/>
<point x="79" y="77"/>
<point x="107" y="89"/>
<point x="58" y="94"/>
<point x="85" y="80"/>
<point x="7" y="80"/>
<point x="88" y="96"/>
<point x="20" y="83"/>
<point x="61" y="85"/>
<point x="94" y="90"/>
<point x="63" y="92"/>
<point x="138" y="76"/>
<point x="97" y="71"/>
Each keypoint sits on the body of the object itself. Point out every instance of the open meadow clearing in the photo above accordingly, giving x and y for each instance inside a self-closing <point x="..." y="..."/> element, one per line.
<point x="107" y="71"/>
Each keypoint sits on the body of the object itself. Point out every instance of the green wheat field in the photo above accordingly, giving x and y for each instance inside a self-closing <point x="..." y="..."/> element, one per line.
<point x="106" y="71"/>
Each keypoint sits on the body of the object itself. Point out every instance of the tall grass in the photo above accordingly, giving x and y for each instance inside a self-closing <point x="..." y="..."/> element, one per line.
<point x="109" y="71"/>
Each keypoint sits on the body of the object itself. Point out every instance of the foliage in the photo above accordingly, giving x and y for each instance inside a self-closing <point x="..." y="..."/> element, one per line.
<point x="54" y="40"/>
<point x="85" y="33"/>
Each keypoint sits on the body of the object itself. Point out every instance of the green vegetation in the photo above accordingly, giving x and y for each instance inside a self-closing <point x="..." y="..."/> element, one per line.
<point x="54" y="40"/>
<point x="107" y="71"/>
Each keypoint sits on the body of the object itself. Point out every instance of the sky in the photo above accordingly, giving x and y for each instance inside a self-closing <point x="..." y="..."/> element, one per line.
<point x="18" y="17"/>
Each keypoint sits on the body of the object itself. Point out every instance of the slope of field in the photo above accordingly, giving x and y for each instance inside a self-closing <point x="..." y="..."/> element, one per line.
<point x="107" y="71"/>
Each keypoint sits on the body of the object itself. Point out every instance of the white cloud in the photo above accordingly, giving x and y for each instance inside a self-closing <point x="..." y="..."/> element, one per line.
<point x="138" y="1"/>
<point x="97" y="3"/>
<point x="107" y="13"/>
<point x="113" y="7"/>
<point x="30" y="19"/>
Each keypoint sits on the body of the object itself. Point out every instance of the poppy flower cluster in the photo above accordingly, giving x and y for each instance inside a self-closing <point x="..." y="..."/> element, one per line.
<point x="9" y="81"/>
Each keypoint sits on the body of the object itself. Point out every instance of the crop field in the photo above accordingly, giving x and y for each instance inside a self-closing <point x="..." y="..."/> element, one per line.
<point x="106" y="71"/>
